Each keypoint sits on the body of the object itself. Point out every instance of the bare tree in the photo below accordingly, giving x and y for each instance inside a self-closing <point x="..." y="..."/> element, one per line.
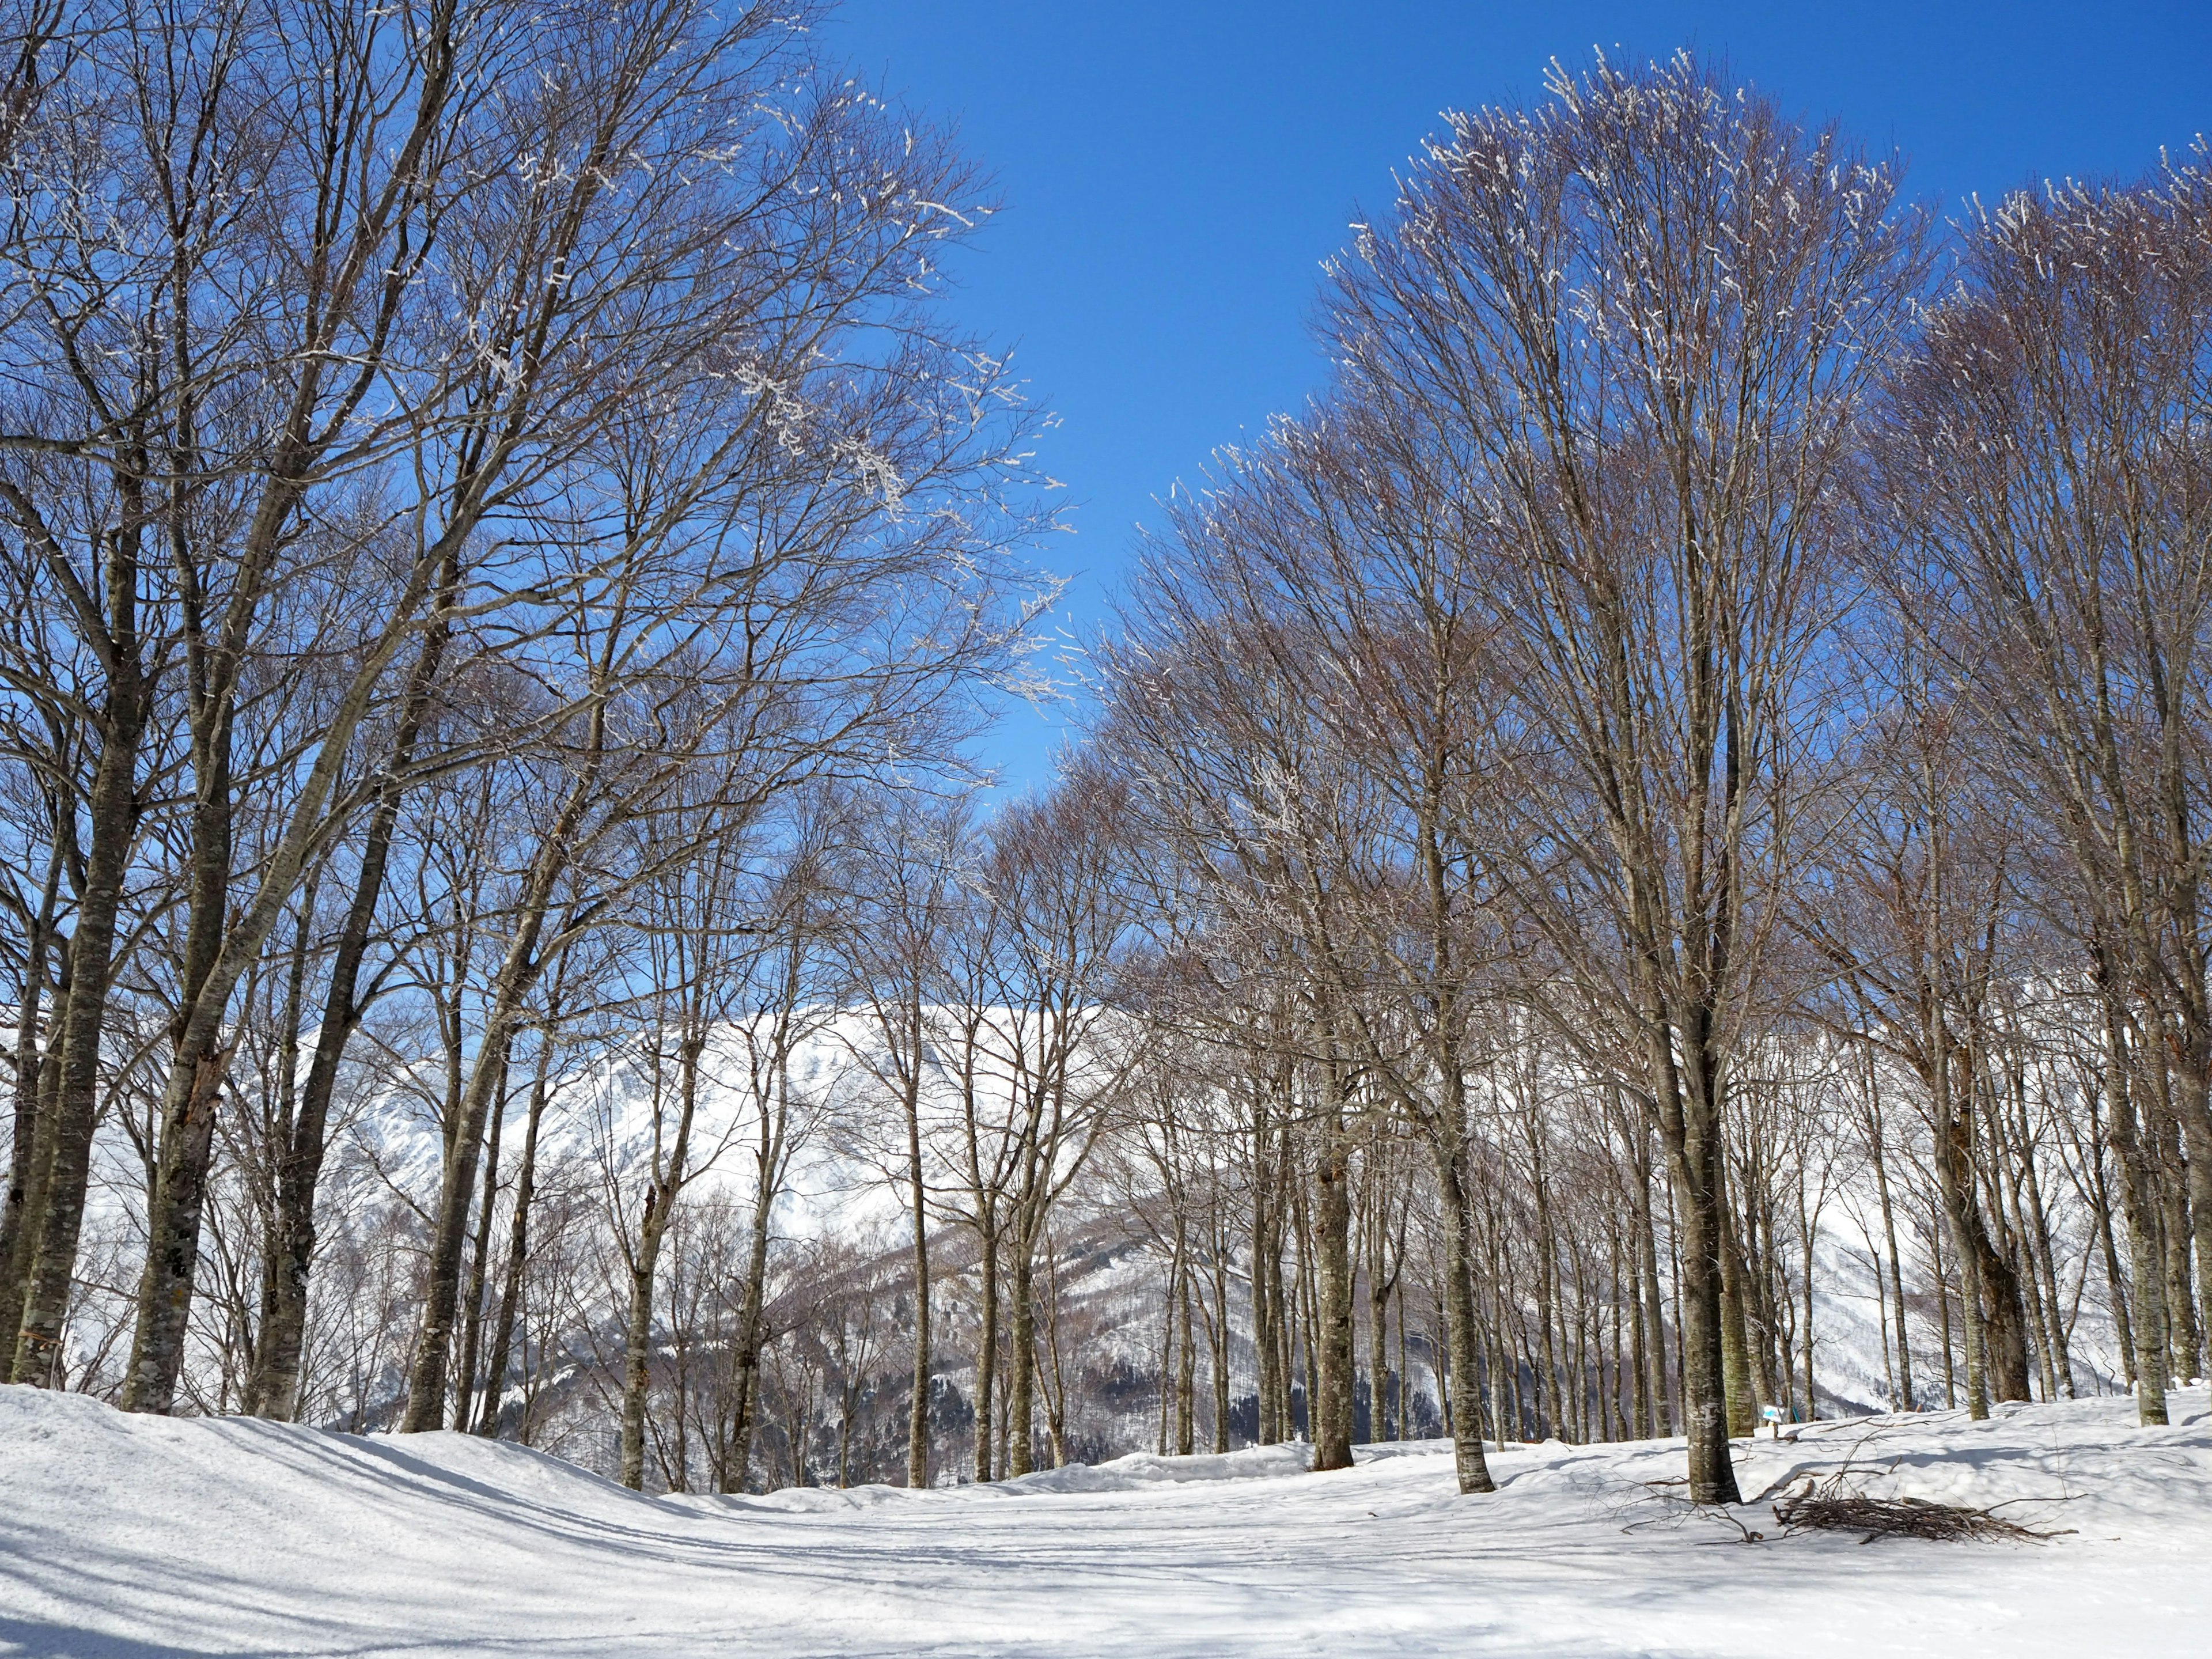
<point x="907" y="871"/>
<point x="703" y="933"/>
<point x="2050" y="504"/>
<point x="1631" y="333"/>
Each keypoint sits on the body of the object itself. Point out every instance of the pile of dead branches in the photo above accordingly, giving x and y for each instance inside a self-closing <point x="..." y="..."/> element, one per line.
<point x="1812" y="1511"/>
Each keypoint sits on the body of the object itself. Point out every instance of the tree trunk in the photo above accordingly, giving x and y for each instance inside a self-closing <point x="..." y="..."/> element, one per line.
<point x="2192" y="1107"/>
<point x="274" y="1387"/>
<point x="1332" y="1412"/>
<point x="53" y="1215"/>
<point x="987" y="1351"/>
<point x="464" y="1382"/>
<point x="1186" y="1440"/>
<point x="427" y="1375"/>
<point x="917" y="1417"/>
<point x="165" y="1290"/>
<point x="1266" y="1357"/>
<point x="2138" y="1204"/>
<point x="1378" y="1338"/>
<point x="1694" y="1153"/>
<point x="517" y="1246"/>
<point x="653" y="1228"/>
<point x="1735" y="1347"/>
<point x="2181" y="1333"/>
<point x="1896" y="1271"/>
<point x="1217" y="1336"/>
<point x="518" y="971"/>
<point x="638" y="1349"/>
<point x="1654" y="1317"/>
<point x="1021" y="1389"/>
<point x="31" y="1073"/>
<point x="1462" y="1334"/>
<point x="752" y="1313"/>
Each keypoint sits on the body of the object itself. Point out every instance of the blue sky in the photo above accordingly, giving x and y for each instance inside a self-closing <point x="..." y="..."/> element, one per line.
<point x="1172" y="175"/>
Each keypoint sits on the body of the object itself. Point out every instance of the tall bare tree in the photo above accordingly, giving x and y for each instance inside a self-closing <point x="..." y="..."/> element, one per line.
<point x="2051" y="496"/>
<point x="1632" y="333"/>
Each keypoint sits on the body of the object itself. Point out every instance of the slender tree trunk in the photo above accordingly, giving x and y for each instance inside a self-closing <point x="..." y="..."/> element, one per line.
<point x="1640" y="1396"/>
<point x="2181" y="1333"/>
<point x="1694" y="1155"/>
<point x="1405" y="1375"/>
<point x="752" y="1336"/>
<point x="519" y="970"/>
<point x="273" y="1389"/>
<point x="653" y="1228"/>
<point x="1896" y="1271"/>
<point x="1662" y="1416"/>
<point x="53" y="1215"/>
<point x="2138" y="1204"/>
<point x="2192" y="1107"/>
<point x="1021" y="1389"/>
<point x="1332" y="1412"/>
<point x="30" y="1072"/>
<point x="638" y="1349"/>
<point x="1168" y="1347"/>
<point x="1462" y="1334"/>
<point x="2115" y="1288"/>
<point x="1186" y="1390"/>
<point x="517" y="1246"/>
<point x="1547" y="1266"/>
<point x="1217" y="1336"/>
<point x="1378" y="1345"/>
<point x="22" y="1256"/>
<point x="465" y="1382"/>
<point x="1308" y="1332"/>
<point x="1936" y="1224"/>
<point x="1805" y="1234"/>
<point x="987" y="1351"/>
<point x="427" y="1375"/>
<point x="917" y="1417"/>
<point x="1735" y="1346"/>
<point x="1264" y="1345"/>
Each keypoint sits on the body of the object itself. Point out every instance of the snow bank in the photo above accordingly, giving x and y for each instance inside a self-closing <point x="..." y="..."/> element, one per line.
<point x="123" y="1538"/>
<point x="1139" y="1470"/>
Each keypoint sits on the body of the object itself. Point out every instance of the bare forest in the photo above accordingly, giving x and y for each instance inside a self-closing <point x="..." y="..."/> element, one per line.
<point x="1635" y="868"/>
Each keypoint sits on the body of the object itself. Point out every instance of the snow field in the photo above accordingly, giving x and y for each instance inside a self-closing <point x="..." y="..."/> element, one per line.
<point x="125" y="1537"/>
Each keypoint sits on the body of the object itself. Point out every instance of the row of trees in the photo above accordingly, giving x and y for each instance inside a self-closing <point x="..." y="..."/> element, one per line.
<point x="1655" y="817"/>
<point x="1697" y="650"/>
<point x="465" y="465"/>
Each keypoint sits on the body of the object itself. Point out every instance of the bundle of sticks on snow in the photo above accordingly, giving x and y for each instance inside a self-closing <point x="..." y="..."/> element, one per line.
<point x="1813" y="1510"/>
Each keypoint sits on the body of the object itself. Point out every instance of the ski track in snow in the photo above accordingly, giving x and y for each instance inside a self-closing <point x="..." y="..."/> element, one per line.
<point x="124" y="1537"/>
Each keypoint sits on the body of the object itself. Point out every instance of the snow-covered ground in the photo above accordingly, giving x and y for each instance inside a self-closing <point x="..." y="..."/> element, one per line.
<point x="127" y="1537"/>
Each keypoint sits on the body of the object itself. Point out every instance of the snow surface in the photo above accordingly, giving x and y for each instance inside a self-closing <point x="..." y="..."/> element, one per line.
<point x="125" y="1537"/>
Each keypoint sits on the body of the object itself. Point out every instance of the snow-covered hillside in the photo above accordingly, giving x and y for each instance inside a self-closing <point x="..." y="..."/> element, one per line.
<point x="606" y="1112"/>
<point x="121" y="1538"/>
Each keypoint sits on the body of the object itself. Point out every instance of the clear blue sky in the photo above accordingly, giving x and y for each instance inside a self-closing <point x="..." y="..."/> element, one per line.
<point x="1174" y="172"/>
